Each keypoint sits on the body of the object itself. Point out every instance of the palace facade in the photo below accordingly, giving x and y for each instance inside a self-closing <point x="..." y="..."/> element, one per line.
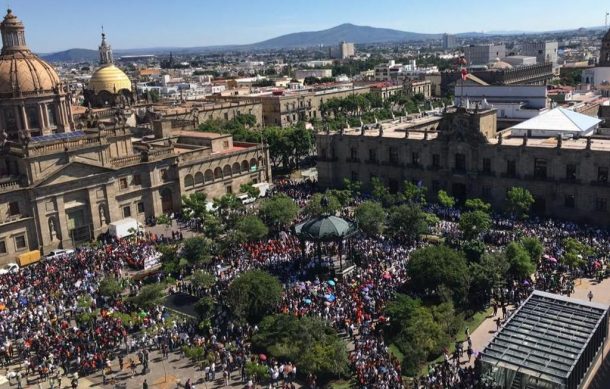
<point x="463" y="153"/>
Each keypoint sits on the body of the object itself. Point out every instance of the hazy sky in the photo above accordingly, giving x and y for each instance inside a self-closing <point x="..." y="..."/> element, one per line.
<point x="53" y="25"/>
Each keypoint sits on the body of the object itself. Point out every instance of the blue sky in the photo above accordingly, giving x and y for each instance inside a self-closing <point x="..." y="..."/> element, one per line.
<point x="53" y="25"/>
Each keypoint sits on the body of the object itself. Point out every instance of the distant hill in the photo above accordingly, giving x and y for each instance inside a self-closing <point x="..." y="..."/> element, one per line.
<point x="344" y="32"/>
<point x="72" y="55"/>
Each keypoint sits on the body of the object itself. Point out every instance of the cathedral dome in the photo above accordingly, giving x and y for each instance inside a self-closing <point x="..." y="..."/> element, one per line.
<point x="109" y="78"/>
<point x="22" y="72"/>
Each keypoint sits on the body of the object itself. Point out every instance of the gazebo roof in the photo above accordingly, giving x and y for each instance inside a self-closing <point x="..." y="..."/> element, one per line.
<point x="325" y="228"/>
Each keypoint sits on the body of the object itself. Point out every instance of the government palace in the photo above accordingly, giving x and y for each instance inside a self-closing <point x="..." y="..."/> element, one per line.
<point x="67" y="171"/>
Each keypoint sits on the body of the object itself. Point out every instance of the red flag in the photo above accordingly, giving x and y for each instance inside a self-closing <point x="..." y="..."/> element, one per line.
<point x="464" y="74"/>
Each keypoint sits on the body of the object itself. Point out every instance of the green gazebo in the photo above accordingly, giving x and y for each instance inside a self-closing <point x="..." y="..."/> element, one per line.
<point x="326" y="228"/>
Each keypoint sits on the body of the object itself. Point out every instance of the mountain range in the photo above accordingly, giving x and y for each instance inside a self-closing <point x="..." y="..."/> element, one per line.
<point x="345" y="32"/>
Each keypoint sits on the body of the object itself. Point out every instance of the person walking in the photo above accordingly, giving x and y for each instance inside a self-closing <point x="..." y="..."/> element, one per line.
<point x="590" y="296"/>
<point x="145" y="384"/>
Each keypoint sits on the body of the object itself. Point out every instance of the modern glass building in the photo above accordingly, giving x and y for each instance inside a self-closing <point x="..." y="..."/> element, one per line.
<point x="550" y="342"/>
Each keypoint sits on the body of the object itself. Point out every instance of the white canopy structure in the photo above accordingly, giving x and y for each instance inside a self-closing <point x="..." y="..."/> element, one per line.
<point x="558" y="121"/>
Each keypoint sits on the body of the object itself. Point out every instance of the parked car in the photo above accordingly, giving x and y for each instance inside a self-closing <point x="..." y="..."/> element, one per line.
<point x="58" y="253"/>
<point x="245" y="199"/>
<point x="11" y="267"/>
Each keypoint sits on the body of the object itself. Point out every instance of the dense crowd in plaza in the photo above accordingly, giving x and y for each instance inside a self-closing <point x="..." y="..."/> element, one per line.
<point x="39" y="304"/>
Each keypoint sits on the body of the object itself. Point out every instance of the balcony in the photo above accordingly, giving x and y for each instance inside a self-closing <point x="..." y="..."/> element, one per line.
<point x="510" y="175"/>
<point x="372" y="162"/>
<point x="352" y="160"/>
<point x="9" y="183"/>
<point x="600" y="183"/>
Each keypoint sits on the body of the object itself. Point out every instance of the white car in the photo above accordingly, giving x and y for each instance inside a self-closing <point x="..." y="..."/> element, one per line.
<point x="9" y="268"/>
<point x="58" y="253"/>
<point x="245" y="199"/>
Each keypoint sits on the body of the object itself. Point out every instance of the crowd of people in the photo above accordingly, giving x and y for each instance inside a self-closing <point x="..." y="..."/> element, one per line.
<point x="40" y="303"/>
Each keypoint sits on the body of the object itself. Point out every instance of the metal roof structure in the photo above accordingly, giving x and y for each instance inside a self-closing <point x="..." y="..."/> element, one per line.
<point x="560" y="120"/>
<point x="547" y="336"/>
<point x="325" y="228"/>
<point x="58" y="136"/>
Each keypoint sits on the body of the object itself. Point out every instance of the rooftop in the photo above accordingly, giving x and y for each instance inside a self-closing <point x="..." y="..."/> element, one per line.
<point x="546" y="336"/>
<point x="200" y="134"/>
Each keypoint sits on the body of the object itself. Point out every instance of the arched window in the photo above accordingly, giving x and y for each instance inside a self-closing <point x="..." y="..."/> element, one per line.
<point x="218" y="173"/>
<point x="245" y="166"/>
<point x="235" y="168"/>
<point x="260" y="162"/>
<point x="188" y="181"/>
<point x="226" y="171"/>
<point x="199" y="178"/>
<point x="209" y="176"/>
<point x="253" y="164"/>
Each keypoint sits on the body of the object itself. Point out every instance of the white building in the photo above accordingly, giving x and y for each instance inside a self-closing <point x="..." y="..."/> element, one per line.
<point x="318" y="73"/>
<point x="543" y="51"/>
<point x="484" y="54"/>
<point x="514" y="103"/>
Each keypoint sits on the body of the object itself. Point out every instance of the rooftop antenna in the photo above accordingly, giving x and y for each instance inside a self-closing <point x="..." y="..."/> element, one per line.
<point x="606" y="22"/>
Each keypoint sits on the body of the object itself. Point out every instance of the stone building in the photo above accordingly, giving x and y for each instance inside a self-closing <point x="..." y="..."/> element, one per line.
<point x="33" y="100"/>
<point x="539" y="74"/>
<point x="61" y="188"/>
<point x="287" y="108"/>
<point x="463" y="153"/>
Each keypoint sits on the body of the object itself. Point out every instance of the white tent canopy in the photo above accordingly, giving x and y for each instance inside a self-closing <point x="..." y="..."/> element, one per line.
<point x="558" y="121"/>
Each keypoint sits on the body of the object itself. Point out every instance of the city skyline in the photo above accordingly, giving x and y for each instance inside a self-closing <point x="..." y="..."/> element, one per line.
<point x="150" y="24"/>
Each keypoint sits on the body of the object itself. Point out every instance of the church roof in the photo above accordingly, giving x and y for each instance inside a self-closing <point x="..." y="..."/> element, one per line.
<point x="559" y="119"/>
<point x="109" y="78"/>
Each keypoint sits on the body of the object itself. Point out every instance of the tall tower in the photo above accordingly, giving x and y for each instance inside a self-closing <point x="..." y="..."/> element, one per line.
<point x="105" y="52"/>
<point x="604" y="55"/>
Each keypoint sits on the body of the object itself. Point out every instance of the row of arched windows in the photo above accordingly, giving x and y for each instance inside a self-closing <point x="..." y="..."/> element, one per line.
<point x="218" y="174"/>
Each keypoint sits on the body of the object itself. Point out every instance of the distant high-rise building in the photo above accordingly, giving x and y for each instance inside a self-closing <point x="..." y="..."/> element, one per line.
<point x="484" y="54"/>
<point x="346" y="50"/>
<point x="543" y="51"/>
<point x="604" y="55"/>
<point x="449" y="41"/>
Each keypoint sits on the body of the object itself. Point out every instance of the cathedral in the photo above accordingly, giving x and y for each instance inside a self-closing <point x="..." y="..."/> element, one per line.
<point x="62" y="184"/>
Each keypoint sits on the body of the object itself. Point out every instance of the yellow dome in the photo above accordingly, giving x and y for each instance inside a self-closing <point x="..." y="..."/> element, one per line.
<point x="109" y="78"/>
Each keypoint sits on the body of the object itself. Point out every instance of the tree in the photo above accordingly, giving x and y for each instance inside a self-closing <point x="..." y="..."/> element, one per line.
<point x="445" y="199"/>
<point x="478" y="205"/>
<point x="407" y="222"/>
<point x="197" y="250"/>
<point x="252" y="228"/>
<point x="370" y="217"/>
<point x="322" y="204"/>
<point x="203" y="279"/>
<point x="436" y="270"/>
<point x="353" y="186"/>
<point x="110" y="287"/>
<point x="307" y="341"/>
<point x="533" y="246"/>
<point x="519" y="261"/>
<point x="194" y="205"/>
<point x="205" y="308"/>
<point x="278" y="212"/>
<point x="519" y="201"/>
<point x="486" y="274"/>
<point x="301" y="141"/>
<point x="420" y="333"/>
<point x="250" y="190"/>
<point x="413" y="193"/>
<point x="381" y="193"/>
<point x="148" y="296"/>
<point x="574" y="252"/>
<point x="474" y="223"/>
<point x="253" y="294"/>
<point x="164" y="220"/>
